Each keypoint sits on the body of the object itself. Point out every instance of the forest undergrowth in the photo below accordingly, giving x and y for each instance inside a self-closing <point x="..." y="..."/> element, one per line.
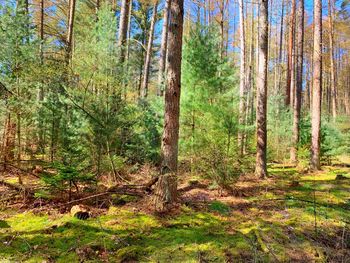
<point x="293" y="216"/>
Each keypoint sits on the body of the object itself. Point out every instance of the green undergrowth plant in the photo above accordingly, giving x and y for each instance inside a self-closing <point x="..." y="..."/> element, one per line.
<point x="65" y="179"/>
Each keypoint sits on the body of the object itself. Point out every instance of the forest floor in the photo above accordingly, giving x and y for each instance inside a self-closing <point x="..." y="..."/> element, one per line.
<point x="290" y="217"/>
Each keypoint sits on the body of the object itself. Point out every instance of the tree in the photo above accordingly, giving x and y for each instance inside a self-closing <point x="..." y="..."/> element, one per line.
<point x="317" y="86"/>
<point x="165" y="193"/>
<point x="69" y="39"/>
<point x="290" y="64"/>
<point x="149" y="52"/>
<point x="331" y="58"/>
<point x="242" y="79"/>
<point x="299" y="81"/>
<point x="163" y="48"/>
<point x="261" y="84"/>
<point x="123" y="27"/>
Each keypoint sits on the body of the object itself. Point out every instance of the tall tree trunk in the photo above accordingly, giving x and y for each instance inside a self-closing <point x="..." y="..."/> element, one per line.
<point x="69" y="39"/>
<point x="242" y="82"/>
<point x="331" y="57"/>
<point x="123" y="29"/>
<point x="317" y="86"/>
<point x="41" y="32"/>
<point x="261" y="167"/>
<point x="299" y="82"/>
<point x="290" y="66"/>
<point x="9" y="141"/>
<point x="280" y="49"/>
<point x="167" y="184"/>
<point x="163" y="48"/>
<point x="347" y="94"/>
<point x="41" y="88"/>
<point x="149" y="52"/>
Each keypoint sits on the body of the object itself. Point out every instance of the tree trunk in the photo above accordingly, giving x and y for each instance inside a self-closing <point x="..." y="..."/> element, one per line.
<point x="123" y="28"/>
<point x="317" y="86"/>
<point x="290" y="66"/>
<point x="149" y="53"/>
<point x="299" y="82"/>
<point x="242" y="83"/>
<point x="331" y="58"/>
<point x="163" y="48"/>
<point x="261" y="83"/>
<point x="347" y="94"/>
<point x="69" y="39"/>
<point x="166" y="186"/>
<point x="9" y="141"/>
<point x="280" y="49"/>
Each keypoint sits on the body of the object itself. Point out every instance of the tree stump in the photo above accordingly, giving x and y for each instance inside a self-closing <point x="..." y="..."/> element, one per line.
<point x="165" y="194"/>
<point x="340" y="177"/>
<point x="80" y="212"/>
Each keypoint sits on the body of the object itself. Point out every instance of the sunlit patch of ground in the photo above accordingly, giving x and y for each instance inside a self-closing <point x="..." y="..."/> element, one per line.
<point x="276" y="221"/>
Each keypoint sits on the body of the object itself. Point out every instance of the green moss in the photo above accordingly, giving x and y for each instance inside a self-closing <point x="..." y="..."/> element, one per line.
<point x="220" y="208"/>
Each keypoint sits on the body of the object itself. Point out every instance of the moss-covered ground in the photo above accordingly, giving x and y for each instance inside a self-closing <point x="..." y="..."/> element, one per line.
<point x="277" y="221"/>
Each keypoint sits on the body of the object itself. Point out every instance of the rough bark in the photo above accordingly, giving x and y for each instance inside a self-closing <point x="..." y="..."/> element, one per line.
<point x="280" y="49"/>
<point x="166" y="195"/>
<point x="317" y="86"/>
<point x="290" y="66"/>
<point x="9" y="141"/>
<point x="331" y="58"/>
<point x="299" y="82"/>
<point x="261" y="83"/>
<point x="123" y="29"/>
<point x="347" y="95"/>
<point x="149" y="52"/>
<point x="69" y="39"/>
<point x="163" y="48"/>
<point x="242" y="82"/>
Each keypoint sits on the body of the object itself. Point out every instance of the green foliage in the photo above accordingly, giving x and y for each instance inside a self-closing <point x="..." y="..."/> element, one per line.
<point x="66" y="177"/>
<point x="279" y="128"/>
<point x="209" y="106"/>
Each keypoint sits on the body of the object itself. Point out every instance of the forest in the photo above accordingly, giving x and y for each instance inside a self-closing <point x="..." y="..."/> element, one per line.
<point x="175" y="131"/>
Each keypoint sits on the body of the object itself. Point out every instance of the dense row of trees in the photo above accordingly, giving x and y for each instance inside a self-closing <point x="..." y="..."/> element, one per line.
<point x="84" y="84"/>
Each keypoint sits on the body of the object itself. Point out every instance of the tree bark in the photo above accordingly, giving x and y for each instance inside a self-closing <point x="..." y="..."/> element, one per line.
<point x="123" y="28"/>
<point x="280" y="49"/>
<point x="261" y="83"/>
<point x="242" y="82"/>
<point x="163" y="48"/>
<point x="166" y="186"/>
<point x="290" y="66"/>
<point x="331" y="57"/>
<point x="299" y="82"/>
<point x="149" y="52"/>
<point x="69" y="39"/>
<point x="317" y="86"/>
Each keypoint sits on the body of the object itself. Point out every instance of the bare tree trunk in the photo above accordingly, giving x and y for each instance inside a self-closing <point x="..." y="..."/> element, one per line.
<point x="242" y="83"/>
<point x="347" y="95"/>
<point x="249" y="81"/>
<point x="280" y="48"/>
<point x="123" y="29"/>
<point x="331" y="54"/>
<point x="290" y="66"/>
<point x="149" y="52"/>
<point x="261" y="112"/>
<point x="167" y="184"/>
<point x="69" y="39"/>
<point x="9" y="141"/>
<point x="163" y="48"/>
<point x="317" y="86"/>
<point x="299" y="82"/>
